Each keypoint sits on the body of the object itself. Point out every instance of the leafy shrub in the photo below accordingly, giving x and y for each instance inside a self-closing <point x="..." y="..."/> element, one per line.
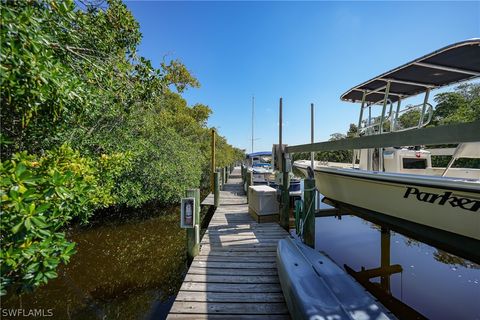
<point x="39" y="197"/>
<point x="71" y="76"/>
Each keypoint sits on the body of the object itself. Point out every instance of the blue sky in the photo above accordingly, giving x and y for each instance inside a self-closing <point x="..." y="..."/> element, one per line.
<point x="305" y="52"/>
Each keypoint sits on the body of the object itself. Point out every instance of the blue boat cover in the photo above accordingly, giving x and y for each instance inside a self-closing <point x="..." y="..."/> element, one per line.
<point x="316" y="288"/>
<point x="259" y="153"/>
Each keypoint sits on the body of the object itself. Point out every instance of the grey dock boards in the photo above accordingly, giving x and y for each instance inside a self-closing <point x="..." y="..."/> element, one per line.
<point x="235" y="274"/>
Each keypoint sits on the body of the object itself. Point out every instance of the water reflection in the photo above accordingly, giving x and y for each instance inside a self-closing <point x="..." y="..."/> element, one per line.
<point x="411" y="278"/>
<point x="124" y="269"/>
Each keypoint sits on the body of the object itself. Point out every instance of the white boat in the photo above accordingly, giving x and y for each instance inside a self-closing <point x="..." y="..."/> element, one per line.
<point x="260" y="164"/>
<point x="400" y="181"/>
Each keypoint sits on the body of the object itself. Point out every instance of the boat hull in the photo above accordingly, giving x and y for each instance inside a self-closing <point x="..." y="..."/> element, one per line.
<point x="449" y="205"/>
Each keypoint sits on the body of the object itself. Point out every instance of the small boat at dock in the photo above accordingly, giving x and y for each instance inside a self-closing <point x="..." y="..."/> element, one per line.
<point x="260" y="164"/>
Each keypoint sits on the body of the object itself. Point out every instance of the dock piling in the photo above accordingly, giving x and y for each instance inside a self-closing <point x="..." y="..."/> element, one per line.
<point x="249" y="176"/>
<point x="309" y="212"/>
<point x="216" y="189"/>
<point x="284" y="215"/>
<point x="222" y="177"/>
<point x="285" y="203"/>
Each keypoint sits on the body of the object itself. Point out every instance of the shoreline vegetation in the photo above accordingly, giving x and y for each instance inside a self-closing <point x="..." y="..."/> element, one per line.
<point x="88" y="126"/>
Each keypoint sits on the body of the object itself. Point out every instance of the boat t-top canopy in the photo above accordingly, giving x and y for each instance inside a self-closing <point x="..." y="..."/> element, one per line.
<point x="455" y="63"/>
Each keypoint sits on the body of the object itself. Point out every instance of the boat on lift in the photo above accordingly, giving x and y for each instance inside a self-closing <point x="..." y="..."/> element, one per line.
<point x="260" y="164"/>
<point x="400" y="181"/>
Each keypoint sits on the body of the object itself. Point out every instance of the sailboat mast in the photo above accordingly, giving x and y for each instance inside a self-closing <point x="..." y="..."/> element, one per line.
<point x="253" y="118"/>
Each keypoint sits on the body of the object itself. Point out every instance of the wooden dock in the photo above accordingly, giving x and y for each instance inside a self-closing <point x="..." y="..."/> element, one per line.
<point x="234" y="276"/>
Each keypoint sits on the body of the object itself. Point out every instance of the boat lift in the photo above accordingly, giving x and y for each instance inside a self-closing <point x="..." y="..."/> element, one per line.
<point x="452" y="64"/>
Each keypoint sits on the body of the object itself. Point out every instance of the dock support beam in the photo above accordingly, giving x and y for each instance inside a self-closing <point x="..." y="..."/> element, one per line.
<point x="216" y="189"/>
<point x="309" y="212"/>
<point x="193" y="234"/>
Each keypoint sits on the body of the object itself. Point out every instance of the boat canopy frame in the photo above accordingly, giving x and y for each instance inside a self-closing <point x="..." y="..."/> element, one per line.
<point x="452" y="64"/>
<point x="449" y="65"/>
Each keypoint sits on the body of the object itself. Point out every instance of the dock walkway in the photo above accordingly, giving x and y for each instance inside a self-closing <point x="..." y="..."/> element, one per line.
<point x="235" y="275"/>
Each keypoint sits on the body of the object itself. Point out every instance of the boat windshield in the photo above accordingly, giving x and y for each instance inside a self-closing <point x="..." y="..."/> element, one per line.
<point x="262" y="161"/>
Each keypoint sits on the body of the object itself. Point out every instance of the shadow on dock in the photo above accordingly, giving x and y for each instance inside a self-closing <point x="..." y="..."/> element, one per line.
<point x="235" y="275"/>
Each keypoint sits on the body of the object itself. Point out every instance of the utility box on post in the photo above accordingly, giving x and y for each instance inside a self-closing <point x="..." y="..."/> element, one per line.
<point x="187" y="213"/>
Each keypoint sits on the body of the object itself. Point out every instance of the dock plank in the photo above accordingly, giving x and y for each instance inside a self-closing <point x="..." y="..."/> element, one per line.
<point x="258" y="297"/>
<point x="234" y="276"/>
<point x="233" y="271"/>
<point x="229" y="308"/>
<point x="196" y="316"/>
<point x="229" y="287"/>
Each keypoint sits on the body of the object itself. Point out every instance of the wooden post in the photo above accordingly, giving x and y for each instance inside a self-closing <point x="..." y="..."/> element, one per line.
<point x="385" y="258"/>
<point x="249" y="175"/>
<point x="284" y="215"/>
<point x="193" y="234"/>
<point x="309" y="212"/>
<point x="222" y="177"/>
<point x="212" y="168"/>
<point x="312" y="130"/>
<point x="285" y="205"/>
<point x="216" y="191"/>
<point x="196" y="247"/>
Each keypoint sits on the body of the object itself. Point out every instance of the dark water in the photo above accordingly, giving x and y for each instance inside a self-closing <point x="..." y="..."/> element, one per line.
<point x="125" y="268"/>
<point x="437" y="284"/>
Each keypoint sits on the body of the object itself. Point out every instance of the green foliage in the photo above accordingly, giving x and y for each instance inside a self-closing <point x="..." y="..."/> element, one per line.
<point x="344" y="156"/>
<point x="462" y="105"/>
<point x="71" y="77"/>
<point x="39" y="197"/>
<point x="409" y="118"/>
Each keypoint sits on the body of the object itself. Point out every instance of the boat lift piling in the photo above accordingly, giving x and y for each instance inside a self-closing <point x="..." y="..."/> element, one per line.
<point x="284" y="215"/>
<point x="308" y="217"/>
<point x="312" y="131"/>
<point x="309" y="212"/>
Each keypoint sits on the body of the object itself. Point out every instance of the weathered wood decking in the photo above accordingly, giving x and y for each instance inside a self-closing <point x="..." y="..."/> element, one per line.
<point x="235" y="275"/>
